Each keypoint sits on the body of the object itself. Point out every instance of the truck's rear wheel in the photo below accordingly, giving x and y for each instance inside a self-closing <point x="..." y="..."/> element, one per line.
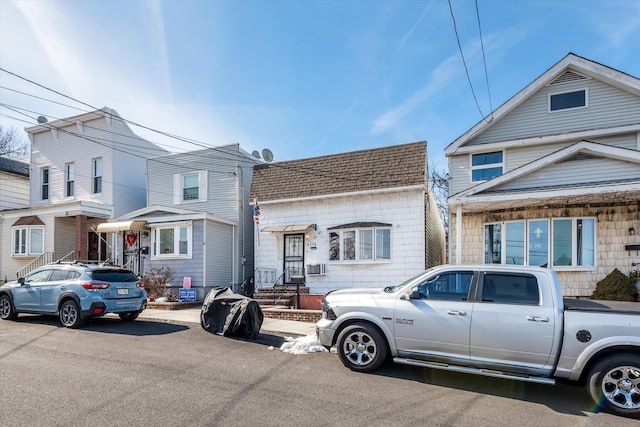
<point x="362" y="347"/>
<point x="614" y="384"/>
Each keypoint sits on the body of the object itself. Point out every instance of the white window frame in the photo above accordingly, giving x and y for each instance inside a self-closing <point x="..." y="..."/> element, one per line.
<point x="549" y="243"/>
<point x="69" y="179"/>
<point x="45" y="185"/>
<point x="178" y="187"/>
<point x="96" y="175"/>
<point x="157" y="251"/>
<point x="358" y="253"/>
<point x="26" y="237"/>
<point x="473" y="167"/>
<point x="586" y="100"/>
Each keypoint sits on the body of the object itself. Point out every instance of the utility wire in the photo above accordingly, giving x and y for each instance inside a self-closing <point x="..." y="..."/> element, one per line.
<point x="484" y="59"/>
<point x="323" y="173"/>
<point x="455" y="29"/>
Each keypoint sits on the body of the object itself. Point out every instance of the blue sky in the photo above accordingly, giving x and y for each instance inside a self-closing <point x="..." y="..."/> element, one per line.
<point x="302" y="78"/>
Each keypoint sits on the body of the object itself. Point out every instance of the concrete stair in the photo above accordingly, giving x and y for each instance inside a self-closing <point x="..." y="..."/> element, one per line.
<point x="279" y="296"/>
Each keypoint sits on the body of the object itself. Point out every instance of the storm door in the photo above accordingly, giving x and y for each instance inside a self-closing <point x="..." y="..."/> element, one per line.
<point x="293" y="257"/>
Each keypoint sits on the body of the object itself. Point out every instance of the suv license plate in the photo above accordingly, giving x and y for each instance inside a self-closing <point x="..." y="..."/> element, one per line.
<point x="123" y="291"/>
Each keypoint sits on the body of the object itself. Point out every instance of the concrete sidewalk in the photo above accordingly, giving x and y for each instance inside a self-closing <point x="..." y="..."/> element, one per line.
<point x="192" y="315"/>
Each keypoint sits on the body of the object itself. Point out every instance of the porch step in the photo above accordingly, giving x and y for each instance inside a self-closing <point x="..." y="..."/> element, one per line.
<point x="282" y="296"/>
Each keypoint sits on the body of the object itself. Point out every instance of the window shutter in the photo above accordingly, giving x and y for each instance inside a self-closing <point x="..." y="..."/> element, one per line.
<point x="203" y="183"/>
<point x="177" y="189"/>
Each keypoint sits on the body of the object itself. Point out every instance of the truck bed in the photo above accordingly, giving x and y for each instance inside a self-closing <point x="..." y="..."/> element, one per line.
<point x="622" y="307"/>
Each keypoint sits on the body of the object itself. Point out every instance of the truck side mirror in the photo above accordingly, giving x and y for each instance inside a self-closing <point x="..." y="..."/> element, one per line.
<point x="415" y="293"/>
<point x="21" y="281"/>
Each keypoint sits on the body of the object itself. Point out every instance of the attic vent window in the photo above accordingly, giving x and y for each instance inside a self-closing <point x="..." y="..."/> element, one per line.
<point x="568" y="76"/>
<point x="568" y="100"/>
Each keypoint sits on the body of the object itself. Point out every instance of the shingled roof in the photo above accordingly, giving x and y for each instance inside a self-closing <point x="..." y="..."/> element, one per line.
<point x="374" y="169"/>
<point x="15" y="167"/>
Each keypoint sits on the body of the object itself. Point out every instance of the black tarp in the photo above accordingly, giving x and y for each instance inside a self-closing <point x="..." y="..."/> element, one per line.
<point x="231" y="315"/>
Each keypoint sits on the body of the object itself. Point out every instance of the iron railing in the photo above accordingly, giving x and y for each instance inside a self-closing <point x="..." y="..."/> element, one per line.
<point x="44" y="259"/>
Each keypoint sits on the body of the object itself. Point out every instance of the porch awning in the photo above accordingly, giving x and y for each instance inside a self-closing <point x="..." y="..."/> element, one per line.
<point x="114" y="227"/>
<point x="288" y="228"/>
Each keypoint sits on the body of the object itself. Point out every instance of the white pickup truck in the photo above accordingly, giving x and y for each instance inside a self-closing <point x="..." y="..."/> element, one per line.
<point x="501" y="321"/>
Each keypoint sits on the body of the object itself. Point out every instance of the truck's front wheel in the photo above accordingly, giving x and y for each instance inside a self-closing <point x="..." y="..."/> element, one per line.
<point x="614" y="384"/>
<point x="362" y="347"/>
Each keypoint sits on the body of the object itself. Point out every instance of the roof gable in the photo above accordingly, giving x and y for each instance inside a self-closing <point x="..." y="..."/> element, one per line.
<point x="571" y="69"/>
<point x="381" y="168"/>
<point x="522" y="179"/>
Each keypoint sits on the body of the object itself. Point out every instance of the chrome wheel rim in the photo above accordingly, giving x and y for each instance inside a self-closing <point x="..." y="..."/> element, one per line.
<point x="359" y="348"/>
<point x="5" y="308"/>
<point x="69" y="314"/>
<point x="621" y="387"/>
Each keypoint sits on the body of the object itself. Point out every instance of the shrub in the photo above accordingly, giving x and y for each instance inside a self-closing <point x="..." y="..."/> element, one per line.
<point x="155" y="281"/>
<point x="616" y="287"/>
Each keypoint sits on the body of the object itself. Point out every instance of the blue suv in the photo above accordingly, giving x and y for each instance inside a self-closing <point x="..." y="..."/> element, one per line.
<point x="75" y="292"/>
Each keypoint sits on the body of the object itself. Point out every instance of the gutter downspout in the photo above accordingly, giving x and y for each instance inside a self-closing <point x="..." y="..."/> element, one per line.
<point x="459" y="235"/>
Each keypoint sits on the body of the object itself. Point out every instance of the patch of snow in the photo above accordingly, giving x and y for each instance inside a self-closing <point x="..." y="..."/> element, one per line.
<point x="302" y="345"/>
<point x="162" y="299"/>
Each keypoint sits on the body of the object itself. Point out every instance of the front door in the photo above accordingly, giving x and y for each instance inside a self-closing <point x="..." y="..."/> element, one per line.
<point x="97" y="248"/>
<point x="293" y="257"/>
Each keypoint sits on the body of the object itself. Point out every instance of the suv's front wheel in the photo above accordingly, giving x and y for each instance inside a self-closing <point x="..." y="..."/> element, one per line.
<point x="362" y="347"/>
<point x="6" y="309"/>
<point x="70" y="316"/>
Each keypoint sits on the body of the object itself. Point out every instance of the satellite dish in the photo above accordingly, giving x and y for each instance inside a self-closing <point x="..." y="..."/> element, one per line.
<point x="267" y="155"/>
<point x="255" y="154"/>
<point x="42" y="119"/>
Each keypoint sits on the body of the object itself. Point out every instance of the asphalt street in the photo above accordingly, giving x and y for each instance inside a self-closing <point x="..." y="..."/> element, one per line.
<point x="171" y="373"/>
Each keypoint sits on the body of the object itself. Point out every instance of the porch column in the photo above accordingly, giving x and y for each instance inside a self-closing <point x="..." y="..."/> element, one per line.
<point x="459" y="234"/>
<point x="81" y="237"/>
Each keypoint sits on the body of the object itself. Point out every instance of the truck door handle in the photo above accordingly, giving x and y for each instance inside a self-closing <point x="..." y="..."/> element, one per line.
<point x="537" y="319"/>
<point x="456" y="313"/>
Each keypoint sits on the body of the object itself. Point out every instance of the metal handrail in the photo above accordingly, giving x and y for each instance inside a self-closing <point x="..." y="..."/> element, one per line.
<point x="42" y="260"/>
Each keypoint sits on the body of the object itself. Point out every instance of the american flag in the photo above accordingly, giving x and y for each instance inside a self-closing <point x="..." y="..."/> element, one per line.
<point x="256" y="212"/>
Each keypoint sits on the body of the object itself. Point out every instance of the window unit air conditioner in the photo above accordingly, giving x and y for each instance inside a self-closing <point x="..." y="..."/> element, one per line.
<point x="317" y="269"/>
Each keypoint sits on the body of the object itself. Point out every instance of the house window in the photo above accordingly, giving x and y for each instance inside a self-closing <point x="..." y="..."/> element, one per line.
<point x="568" y="100"/>
<point x="569" y="244"/>
<point x="172" y="240"/>
<point x="28" y="241"/>
<point x="486" y="166"/>
<point x="70" y="176"/>
<point x="96" y="176"/>
<point x="190" y="187"/>
<point x="44" y="184"/>
<point x="363" y="244"/>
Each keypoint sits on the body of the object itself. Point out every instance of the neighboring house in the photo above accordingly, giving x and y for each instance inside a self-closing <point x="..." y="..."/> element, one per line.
<point x="14" y="184"/>
<point x="552" y="177"/>
<point x="84" y="170"/>
<point x="198" y="221"/>
<point x="359" y="219"/>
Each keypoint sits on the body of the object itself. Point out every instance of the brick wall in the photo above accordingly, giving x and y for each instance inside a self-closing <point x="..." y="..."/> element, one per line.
<point x="311" y="316"/>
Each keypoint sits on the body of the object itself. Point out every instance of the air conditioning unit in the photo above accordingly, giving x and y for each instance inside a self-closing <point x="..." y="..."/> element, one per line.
<point x="317" y="269"/>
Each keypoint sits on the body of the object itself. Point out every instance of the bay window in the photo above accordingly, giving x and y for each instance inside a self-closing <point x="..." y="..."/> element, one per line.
<point x="172" y="240"/>
<point x="360" y="244"/>
<point x="558" y="243"/>
<point x="28" y="241"/>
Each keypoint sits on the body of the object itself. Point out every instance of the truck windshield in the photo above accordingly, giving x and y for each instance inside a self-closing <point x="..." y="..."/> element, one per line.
<point x="406" y="283"/>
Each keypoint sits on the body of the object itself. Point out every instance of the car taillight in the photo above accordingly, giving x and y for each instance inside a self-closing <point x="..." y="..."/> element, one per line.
<point x="95" y="286"/>
<point x="140" y="285"/>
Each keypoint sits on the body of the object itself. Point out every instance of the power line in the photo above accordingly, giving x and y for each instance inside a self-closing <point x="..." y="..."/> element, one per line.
<point x="464" y="62"/>
<point x="484" y="59"/>
<point x="323" y="173"/>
